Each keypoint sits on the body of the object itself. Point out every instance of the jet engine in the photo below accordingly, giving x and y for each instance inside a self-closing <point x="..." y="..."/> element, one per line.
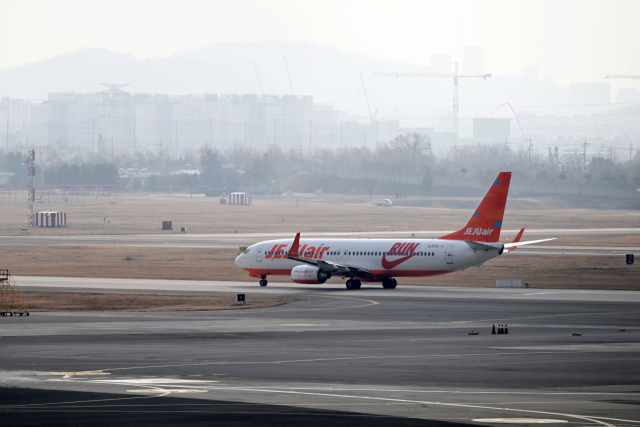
<point x="309" y="274"/>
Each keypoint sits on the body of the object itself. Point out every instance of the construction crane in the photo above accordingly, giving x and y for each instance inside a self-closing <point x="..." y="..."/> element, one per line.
<point x="621" y="76"/>
<point x="258" y="77"/>
<point x="455" y="76"/>
<point x="286" y="64"/>
<point x="366" y="97"/>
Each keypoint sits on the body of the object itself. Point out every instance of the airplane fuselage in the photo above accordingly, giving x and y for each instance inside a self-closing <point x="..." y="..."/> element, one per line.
<point x="382" y="257"/>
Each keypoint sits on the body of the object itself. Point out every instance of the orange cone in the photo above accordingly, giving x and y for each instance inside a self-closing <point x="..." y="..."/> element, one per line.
<point x="506" y="329"/>
<point x="500" y="331"/>
<point x="493" y="331"/>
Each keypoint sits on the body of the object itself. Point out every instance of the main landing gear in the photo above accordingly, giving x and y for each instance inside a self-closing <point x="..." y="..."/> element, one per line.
<point x="353" y="284"/>
<point x="263" y="281"/>
<point x="389" y="283"/>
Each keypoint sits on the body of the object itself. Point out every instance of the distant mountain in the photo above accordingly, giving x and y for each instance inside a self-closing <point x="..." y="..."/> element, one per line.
<point x="327" y="73"/>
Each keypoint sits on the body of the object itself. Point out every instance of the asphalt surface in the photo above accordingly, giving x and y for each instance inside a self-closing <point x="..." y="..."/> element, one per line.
<point x="367" y="357"/>
<point x="236" y="240"/>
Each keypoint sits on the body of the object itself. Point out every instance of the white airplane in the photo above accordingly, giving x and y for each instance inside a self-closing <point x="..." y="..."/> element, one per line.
<point x="313" y="261"/>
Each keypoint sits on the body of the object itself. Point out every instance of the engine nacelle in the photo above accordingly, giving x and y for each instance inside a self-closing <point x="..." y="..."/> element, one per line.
<point x="309" y="274"/>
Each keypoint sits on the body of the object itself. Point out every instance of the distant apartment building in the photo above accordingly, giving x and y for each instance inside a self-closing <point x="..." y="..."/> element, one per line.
<point x="594" y="97"/>
<point x="15" y="116"/>
<point x="177" y="124"/>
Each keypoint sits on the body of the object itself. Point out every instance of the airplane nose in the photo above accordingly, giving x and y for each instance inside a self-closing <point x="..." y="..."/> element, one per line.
<point x="239" y="260"/>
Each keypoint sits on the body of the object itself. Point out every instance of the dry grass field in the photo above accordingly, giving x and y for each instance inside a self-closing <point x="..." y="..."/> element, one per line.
<point x="69" y="301"/>
<point x="574" y="272"/>
<point x="143" y="214"/>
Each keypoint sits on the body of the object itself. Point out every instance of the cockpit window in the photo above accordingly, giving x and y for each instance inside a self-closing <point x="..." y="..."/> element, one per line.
<point x="246" y="251"/>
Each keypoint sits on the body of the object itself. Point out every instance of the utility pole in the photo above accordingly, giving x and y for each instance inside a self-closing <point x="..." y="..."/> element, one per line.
<point x="309" y="137"/>
<point x="584" y="154"/>
<point x="134" y="138"/>
<point x="455" y="101"/>
<point x="93" y="127"/>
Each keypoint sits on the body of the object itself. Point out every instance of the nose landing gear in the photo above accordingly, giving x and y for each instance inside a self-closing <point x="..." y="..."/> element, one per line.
<point x="263" y="281"/>
<point x="389" y="283"/>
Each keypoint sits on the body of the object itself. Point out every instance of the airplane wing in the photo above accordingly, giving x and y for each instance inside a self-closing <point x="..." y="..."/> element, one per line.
<point x="329" y="266"/>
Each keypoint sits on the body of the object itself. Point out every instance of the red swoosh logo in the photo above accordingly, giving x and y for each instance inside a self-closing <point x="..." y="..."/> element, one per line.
<point x="391" y="264"/>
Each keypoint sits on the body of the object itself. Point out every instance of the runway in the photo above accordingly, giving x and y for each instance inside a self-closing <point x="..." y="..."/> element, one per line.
<point x="373" y="356"/>
<point x="232" y="240"/>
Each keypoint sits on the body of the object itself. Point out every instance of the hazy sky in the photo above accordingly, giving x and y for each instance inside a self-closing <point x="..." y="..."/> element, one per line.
<point x="572" y="40"/>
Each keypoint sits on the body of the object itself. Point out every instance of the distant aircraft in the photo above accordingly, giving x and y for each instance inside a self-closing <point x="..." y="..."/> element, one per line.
<point x="313" y="261"/>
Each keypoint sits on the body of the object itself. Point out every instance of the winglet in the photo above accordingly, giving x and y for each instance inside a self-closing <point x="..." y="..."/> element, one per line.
<point x="293" y="252"/>
<point x="516" y="240"/>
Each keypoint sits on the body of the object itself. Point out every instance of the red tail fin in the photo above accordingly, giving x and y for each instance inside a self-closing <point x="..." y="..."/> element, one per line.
<point x="486" y="221"/>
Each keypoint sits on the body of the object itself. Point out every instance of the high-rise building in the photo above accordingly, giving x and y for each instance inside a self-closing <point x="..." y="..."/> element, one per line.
<point x="596" y="95"/>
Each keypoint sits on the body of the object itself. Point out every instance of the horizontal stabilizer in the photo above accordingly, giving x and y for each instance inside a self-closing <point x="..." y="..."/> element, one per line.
<point x="514" y="245"/>
<point x="516" y="240"/>
<point x="482" y="246"/>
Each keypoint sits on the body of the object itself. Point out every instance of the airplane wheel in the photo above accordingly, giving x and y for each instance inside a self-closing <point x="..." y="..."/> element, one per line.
<point x="353" y="284"/>
<point x="394" y="283"/>
<point x="263" y="282"/>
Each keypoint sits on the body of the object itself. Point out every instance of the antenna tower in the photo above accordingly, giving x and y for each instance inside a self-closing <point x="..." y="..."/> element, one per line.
<point x="115" y="94"/>
<point x="31" y="197"/>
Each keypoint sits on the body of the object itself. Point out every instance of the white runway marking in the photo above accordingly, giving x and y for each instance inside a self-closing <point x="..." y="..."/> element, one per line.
<point x="519" y="420"/>
<point x="460" y="405"/>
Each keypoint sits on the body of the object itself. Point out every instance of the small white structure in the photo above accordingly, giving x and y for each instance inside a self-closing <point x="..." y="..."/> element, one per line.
<point x="385" y="202"/>
<point x="186" y="172"/>
<point x="240" y="198"/>
<point x="509" y="283"/>
<point x="51" y="219"/>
